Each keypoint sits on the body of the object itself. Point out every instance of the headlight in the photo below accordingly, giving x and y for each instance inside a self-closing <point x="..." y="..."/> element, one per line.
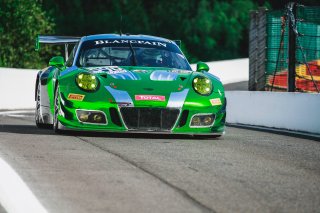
<point x="202" y="85"/>
<point x="87" y="81"/>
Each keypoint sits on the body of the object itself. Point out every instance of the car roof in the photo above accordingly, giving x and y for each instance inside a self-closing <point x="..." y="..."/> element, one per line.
<point x="125" y="36"/>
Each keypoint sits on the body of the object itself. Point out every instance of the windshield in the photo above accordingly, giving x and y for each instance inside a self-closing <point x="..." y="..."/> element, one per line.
<point x="143" y="53"/>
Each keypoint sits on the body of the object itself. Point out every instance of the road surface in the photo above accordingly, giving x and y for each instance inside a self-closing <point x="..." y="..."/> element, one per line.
<point x="244" y="171"/>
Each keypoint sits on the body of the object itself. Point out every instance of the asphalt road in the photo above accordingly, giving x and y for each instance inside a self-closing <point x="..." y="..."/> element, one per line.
<point x="245" y="171"/>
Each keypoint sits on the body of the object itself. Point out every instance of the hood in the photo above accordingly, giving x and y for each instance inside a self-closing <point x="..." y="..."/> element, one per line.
<point x="142" y="86"/>
<point x="143" y="79"/>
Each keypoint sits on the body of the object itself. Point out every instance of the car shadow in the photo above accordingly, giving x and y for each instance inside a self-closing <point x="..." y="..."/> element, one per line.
<point x="24" y="129"/>
<point x="32" y="129"/>
<point x="138" y="135"/>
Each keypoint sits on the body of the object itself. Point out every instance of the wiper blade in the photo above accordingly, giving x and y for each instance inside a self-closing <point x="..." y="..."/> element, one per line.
<point x="133" y="54"/>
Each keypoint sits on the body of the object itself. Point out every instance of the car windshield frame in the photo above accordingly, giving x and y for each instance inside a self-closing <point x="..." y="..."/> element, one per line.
<point x="158" y="53"/>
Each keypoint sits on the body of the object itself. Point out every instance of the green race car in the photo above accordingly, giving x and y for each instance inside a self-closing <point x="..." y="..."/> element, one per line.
<point x="127" y="83"/>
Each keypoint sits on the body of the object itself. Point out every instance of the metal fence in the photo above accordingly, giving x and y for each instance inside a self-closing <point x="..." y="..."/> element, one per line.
<point x="269" y="49"/>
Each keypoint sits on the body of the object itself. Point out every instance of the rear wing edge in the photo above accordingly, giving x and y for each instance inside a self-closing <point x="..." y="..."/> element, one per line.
<point x="56" y="40"/>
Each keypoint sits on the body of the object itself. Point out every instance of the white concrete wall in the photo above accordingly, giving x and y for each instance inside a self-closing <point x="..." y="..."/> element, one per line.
<point x="17" y="88"/>
<point x="292" y="111"/>
<point x="229" y="71"/>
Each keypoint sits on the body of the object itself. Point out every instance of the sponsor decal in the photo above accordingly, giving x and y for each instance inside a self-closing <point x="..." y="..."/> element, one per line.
<point x="115" y="71"/>
<point x="150" y="98"/>
<point x="76" y="97"/>
<point x="110" y="70"/>
<point x="123" y="41"/>
<point x="141" y="71"/>
<point x="180" y="71"/>
<point x="215" y="102"/>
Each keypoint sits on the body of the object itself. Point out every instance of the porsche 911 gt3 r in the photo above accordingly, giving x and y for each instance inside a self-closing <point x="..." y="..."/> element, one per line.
<point x="127" y="83"/>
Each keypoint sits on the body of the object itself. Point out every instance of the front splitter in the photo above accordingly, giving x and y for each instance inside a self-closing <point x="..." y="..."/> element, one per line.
<point x="213" y="134"/>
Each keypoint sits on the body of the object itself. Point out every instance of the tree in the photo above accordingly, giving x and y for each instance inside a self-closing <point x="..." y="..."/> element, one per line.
<point x="209" y="29"/>
<point x="20" y="22"/>
<point x="276" y="4"/>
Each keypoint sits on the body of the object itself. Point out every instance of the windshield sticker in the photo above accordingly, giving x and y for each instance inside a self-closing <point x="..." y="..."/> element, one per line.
<point x="121" y="41"/>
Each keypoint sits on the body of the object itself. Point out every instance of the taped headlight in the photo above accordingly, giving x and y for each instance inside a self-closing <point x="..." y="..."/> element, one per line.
<point x="202" y="85"/>
<point x="87" y="81"/>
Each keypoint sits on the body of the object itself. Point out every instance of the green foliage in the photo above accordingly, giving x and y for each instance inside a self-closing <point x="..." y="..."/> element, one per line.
<point x="209" y="29"/>
<point x="98" y="16"/>
<point x="20" y="22"/>
<point x="277" y="5"/>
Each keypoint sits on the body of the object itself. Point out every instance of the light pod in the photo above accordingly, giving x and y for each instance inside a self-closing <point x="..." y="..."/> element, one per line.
<point x="202" y="85"/>
<point x="87" y="81"/>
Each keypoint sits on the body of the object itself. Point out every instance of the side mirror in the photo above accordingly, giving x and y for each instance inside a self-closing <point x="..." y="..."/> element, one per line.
<point x="201" y="66"/>
<point x="57" y="61"/>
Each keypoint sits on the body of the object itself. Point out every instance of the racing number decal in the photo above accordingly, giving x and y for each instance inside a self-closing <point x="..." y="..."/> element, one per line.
<point x="109" y="70"/>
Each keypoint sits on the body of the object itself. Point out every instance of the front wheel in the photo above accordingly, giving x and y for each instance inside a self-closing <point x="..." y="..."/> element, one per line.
<point x="56" y="111"/>
<point x="39" y="124"/>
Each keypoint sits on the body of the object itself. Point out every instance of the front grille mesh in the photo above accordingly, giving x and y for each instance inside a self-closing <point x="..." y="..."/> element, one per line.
<point x="156" y="119"/>
<point x="115" y="118"/>
<point x="183" y="119"/>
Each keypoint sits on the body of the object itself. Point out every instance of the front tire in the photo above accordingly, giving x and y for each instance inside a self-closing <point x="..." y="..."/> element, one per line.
<point x="37" y="116"/>
<point x="56" y="111"/>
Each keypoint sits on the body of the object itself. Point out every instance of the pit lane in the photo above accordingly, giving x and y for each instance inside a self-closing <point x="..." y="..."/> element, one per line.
<point x="245" y="171"/>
